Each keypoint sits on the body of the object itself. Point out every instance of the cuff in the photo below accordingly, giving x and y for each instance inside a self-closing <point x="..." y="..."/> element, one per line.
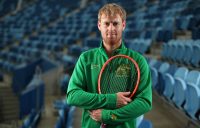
<point x="112" y="101"/>
<point x="105" y="116"/>
<point x="108" y="117"/>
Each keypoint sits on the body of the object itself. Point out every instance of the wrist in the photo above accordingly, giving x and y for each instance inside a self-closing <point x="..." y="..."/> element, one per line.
<point x="112" y="101"/>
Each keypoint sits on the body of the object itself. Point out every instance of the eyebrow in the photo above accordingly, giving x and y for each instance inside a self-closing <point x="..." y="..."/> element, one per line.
<point x="110" y="21"/>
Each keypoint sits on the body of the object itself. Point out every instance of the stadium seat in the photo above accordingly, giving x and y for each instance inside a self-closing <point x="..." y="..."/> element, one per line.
<point x="145" y="124"/>
<point x="180" y="86"/>
<point x="154" y="65"/>
<point x="64" y="80"/>
<point x="91" y="42"/>
<point x="70" y="117"/>
<point x="139" y="120"/>
<point x="195" y="57"/>
<point x="188" y="53"/>
<point x="169" y="86"/>
<point x="164" y="67"/>
<point x="192" y="102"/>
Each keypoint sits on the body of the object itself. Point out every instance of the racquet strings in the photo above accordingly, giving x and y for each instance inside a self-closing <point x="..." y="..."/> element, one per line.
<point x="119" y="75"/>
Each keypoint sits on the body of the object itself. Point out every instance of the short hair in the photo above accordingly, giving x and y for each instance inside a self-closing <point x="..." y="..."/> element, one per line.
<point x="112" y="9"/>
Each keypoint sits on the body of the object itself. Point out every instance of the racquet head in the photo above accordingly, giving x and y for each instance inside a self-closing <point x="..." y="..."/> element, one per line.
<point x="120" y="73"/>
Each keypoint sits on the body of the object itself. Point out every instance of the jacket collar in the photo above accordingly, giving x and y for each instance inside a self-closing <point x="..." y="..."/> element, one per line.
<point x="117" y="51"/>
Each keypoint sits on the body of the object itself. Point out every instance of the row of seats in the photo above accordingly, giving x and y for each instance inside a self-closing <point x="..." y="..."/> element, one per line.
<point x="27" y="50"/>
<point x="184" y="52"/>
<point x="54" y="37"/>
<point x="33" y="18"/>
<point x="140" y="45"/>
<point x="65" y="112"/>
<point x="7" y="7"/>
<point x="179" y="85"/>
<point x="31" y="120"/>
<point x="161" y="20"/>
<point x="149" y="21"/>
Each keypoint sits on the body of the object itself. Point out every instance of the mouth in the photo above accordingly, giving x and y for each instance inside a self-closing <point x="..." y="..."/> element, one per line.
<point x="111" y="34"/>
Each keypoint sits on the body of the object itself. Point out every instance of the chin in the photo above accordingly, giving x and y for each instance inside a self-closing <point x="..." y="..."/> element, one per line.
<point x="111" y="40"/>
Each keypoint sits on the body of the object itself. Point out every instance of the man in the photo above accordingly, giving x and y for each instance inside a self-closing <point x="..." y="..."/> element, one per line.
<point x="114" y="110"/>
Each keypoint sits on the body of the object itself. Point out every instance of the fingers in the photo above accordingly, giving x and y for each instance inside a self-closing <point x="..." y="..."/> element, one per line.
<point x="127" y="99"/>
<point x="124" y="96"/>
<point x="93" y="118"/>
<point x="125" y="93"/>
<point x="95" y="114"/>
<point x="123" y="99"/>
<point x="91" y="115"/>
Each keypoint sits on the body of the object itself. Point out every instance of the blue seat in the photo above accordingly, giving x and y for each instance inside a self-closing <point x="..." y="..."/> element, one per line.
<point x="145" y="45"/>
<point x="195" y="57"/>
<point x="168" y="49"/>
<point x="135" y="46"/>
<point x="188" y="53"/>
<point x="196" y="33"/>
<point x="70" y="117"/>
<point x="75" y="50"/>
<point x="180" y="53"/>
<point x="154" y="65"/>
<point x="91" y="42"/>
<point x="146" y="124"/>
<point x="152" y="62"/>
<point x="169" y="81"/>
<point x="173" y="51"/>
<point x="64" y="82"/>
<point x="182" y="23"/>
<point x="164" y="35"/>
<point x="179" y="86"/>
<point x="62" y="117"/>
<point x="169" y="86"/>
<point x="69" y="63"/>
<point x="154" y="75"/>
<point x="164" y="52"/>
<point x="139" y="120"/>
<point x="161" y="73"/>
<point x="60" y="104"/>
<point x="192" y="102"/>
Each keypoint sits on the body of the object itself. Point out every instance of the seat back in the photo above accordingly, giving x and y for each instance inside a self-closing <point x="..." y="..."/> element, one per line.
<point x="181" y="73"/>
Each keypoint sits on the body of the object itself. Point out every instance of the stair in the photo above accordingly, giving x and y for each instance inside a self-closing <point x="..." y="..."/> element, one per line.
<point x="9" y="104"/>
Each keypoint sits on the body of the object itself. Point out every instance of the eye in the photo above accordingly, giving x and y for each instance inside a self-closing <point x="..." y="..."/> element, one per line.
<point x="107" y="23"/>
<point x="115" y="23"/>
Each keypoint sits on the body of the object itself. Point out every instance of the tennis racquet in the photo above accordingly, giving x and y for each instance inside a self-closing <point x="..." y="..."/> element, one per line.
<point x="120" y="73"/>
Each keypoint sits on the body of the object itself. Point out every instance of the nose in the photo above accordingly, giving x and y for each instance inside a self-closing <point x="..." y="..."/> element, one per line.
<point x="111" y="27"/>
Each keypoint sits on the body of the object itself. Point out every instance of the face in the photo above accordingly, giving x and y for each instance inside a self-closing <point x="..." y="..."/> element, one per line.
<point x="111" y="29"/>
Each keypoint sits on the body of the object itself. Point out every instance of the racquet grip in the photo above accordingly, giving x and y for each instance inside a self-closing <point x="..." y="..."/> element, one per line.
<point x="103" y="126"/>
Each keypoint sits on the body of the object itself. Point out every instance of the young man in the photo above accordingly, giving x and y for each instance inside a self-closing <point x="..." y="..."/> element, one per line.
<point x="114" y="110"/>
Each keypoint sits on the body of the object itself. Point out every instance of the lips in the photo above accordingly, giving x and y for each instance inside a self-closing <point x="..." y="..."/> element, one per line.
<point x="111" y="34"/>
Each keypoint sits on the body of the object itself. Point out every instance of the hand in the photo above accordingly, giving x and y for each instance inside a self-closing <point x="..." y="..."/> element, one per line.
<point x="96" y="114"/>
<point x="123" y="99"/>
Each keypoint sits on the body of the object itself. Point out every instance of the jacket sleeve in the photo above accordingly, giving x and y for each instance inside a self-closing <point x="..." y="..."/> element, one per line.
<point x="142" y="101"/>
<point x="77" y="95"/>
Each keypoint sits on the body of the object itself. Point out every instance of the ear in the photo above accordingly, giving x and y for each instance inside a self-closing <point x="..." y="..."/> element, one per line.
<point x="124" y="24"/>
<point x="99" y="25"/>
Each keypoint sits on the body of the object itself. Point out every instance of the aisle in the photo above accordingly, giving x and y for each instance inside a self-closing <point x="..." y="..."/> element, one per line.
<point x="163" y="115"/>
<point x="49" y="116"/>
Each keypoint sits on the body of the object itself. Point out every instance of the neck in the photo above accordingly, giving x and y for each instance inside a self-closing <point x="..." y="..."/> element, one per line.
<point x="109" y="48"/>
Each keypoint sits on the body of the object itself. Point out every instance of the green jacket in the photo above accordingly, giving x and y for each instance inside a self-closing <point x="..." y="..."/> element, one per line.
<point x="82" y="90"/>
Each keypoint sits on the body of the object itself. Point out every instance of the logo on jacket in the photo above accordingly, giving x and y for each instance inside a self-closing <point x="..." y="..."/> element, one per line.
<point x="94" y="66"/>
<point x="123" y="70"/>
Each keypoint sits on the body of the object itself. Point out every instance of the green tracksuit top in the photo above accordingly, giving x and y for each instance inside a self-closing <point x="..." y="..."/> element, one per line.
<point x="82" y="90"/>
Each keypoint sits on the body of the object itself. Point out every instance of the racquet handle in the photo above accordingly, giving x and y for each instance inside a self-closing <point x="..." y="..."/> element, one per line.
<point x="103" y="126"/>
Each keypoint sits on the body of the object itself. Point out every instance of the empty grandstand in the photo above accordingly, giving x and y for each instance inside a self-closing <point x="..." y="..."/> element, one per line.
<point x="41" y="40"/>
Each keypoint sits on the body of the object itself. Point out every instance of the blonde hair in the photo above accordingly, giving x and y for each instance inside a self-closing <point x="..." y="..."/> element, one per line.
<point x="112" y="9"/>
